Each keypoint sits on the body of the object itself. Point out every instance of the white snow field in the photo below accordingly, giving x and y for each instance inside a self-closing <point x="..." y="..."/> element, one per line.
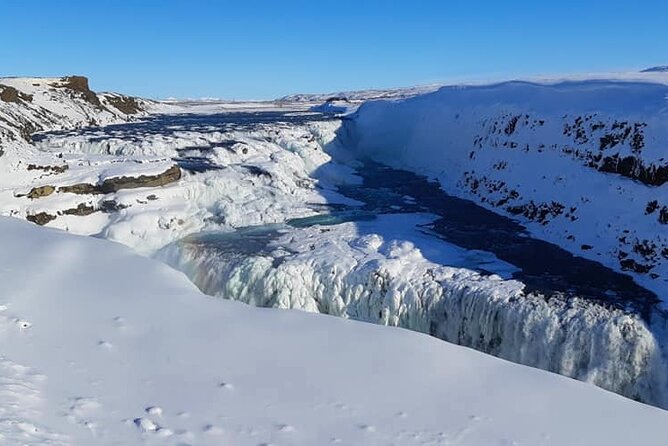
<point x="103" y="347"/>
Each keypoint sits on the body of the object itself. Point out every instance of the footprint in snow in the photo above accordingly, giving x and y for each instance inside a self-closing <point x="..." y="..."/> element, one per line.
<point x="22" y="324"/>
<point x="212" y="430"/>
<point x="145" y="425"/>
<point x="154" y="410"/>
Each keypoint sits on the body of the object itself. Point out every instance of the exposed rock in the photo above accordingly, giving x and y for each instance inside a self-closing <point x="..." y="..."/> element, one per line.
<point x="115" y="184"/>
<point x="81" y="210"/>
<point x="80" y="189"/>
<point x="26" y="131"/>
<point x="41" y="191"/>
<point x="41" y="218"/>
<point x="124" y="104"/>
<point x="109" y="206"/>
<point x="79" y="84"/>
<point x="111" y="185"/>
<point x="540" y="212"/>
<point x="651" y="207"/>
<point x="11" y="94"/>
<point x="633" y="167"/>
<point x="632" y="265"/>
<point x="54" y="169"/>
<point x="663" y="215"/>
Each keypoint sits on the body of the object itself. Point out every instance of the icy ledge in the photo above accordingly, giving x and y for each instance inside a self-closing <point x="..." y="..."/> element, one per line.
<point x="337" y="271"/>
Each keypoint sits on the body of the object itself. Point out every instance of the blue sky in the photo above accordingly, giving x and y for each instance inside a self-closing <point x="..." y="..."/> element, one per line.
<point x="264" y="49"/>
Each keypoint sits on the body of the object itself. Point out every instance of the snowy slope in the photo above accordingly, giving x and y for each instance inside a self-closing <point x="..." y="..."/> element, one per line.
<point x="369" y="271"/>
<point x="149" y="360"/>
<point x="44" y="187"/>
<point x="584" y="164"/>
<point x="28" y="105"/>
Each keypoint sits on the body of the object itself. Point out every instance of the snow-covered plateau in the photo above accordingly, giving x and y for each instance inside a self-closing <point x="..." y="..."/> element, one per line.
<point x="285" y="205"/>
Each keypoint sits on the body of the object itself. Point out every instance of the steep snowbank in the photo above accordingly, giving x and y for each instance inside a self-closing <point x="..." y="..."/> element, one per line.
<point x="583" y="164"/>
<point x="125" y="351"/>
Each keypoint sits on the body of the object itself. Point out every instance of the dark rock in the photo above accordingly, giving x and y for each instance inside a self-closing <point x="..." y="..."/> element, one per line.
<point x="124" y="104"/>
<point x="11" y="94"/>
<point x="109" y="206"/>
<point x="79" y="85"/>
<point x="663" y="215"/>
<point x="41" y="218"/>
<point x="80" y="189"/>
<point x="111" y="185"/>
<point x="651" y="207"/>
<point x="41" y="191"/>
<point x="81" y="210"/>
<point x="54" y="169"/>
<point x="632" y="265"/>
<point x="115" y="184"/>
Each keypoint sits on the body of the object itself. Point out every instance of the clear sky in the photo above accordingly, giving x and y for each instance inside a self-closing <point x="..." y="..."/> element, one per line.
<point x="268" y="48"/>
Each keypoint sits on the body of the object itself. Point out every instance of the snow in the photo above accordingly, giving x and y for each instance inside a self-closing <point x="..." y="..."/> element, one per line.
<point x="149" y="360"/>
<point x="369" y="271"/>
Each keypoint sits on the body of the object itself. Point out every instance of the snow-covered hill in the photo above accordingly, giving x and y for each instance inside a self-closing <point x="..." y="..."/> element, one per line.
<point x="69" y="186"/>
<point x="103" y="347"/>
<point x="584" y="164"/>
<point x="359" y="95"/>
<point x="29" y="105"/>
<point x="657" y="69"/>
